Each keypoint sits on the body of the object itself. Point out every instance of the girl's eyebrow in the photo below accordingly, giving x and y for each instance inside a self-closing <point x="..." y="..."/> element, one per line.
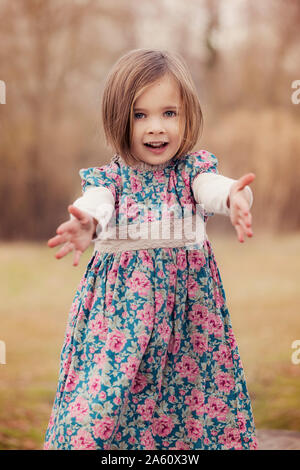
<point x="164" y="107"/>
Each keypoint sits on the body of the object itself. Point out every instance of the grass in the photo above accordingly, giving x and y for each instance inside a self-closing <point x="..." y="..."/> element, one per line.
<point x="261" y="281"/>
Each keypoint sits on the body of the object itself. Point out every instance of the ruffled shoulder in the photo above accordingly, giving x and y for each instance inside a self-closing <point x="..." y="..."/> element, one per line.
<point x="106" y="175"/>
<point x="198" y="162"/>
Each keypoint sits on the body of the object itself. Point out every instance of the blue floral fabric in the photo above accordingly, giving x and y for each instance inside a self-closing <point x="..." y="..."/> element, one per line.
<point x="149" y="359"/>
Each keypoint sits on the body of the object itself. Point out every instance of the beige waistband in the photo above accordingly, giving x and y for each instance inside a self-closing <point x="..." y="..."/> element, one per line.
<point x="188" y="232"/>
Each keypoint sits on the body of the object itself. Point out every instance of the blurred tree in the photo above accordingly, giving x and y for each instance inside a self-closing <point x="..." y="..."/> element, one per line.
<point x="52" y="54"/>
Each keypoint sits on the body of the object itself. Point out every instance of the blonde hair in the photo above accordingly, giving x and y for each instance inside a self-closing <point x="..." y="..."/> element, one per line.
<point x="129" y="77"/>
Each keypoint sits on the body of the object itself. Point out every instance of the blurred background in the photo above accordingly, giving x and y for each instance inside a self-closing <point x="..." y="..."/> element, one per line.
<point x="54" y="59"/>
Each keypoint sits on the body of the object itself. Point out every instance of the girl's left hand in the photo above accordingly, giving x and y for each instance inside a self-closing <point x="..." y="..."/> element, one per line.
<point x="238" y="201"/>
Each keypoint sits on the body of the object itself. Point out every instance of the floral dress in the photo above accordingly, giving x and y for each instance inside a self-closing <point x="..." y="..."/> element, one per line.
<point x="149" y="359"/>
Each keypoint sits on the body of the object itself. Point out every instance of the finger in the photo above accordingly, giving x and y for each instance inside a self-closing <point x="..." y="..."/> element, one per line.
<point x="246" y="230"/>
<point x="80" y="215"/>
<point x="245" y="180"/>
<point x="246" y="217"/>
<point x="77" y="255"/>
<point x="65" y="250"/>
<point x="239" y="233"/>
<point x="65" y="227"/>
<point x="58" y="240"/>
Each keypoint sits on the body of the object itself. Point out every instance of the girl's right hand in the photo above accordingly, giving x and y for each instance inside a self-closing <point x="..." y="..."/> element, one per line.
<point x="75" y="234"/>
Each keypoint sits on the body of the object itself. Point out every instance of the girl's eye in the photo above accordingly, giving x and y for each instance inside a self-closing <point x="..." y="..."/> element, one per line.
<point x="138" y="115"/>
<point x="170" y="113"/>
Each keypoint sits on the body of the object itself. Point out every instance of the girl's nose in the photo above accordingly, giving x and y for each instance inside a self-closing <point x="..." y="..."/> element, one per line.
<point x="156" y="127"/>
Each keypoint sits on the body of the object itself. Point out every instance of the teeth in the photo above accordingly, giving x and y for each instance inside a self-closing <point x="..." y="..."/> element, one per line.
<point x="156" y="144"/>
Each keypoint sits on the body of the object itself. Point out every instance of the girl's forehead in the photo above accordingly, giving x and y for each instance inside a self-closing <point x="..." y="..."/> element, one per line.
<point x="163" y="89"/>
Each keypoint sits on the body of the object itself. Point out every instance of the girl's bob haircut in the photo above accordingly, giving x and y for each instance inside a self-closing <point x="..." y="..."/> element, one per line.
<point x="129" y="77"/>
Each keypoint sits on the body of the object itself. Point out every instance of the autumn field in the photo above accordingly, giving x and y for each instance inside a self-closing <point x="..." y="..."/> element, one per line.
<point x="261" y="281"/>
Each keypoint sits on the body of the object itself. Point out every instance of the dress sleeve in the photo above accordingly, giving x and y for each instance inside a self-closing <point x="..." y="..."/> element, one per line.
<point x="100" y="187"/>
<point x="106" y="176"/>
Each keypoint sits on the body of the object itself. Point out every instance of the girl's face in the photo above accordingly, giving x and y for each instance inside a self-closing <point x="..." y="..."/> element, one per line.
<point x="156" y="135"/>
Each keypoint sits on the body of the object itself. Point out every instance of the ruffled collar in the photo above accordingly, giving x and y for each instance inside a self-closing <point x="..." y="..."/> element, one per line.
<point x="143" y="166"/>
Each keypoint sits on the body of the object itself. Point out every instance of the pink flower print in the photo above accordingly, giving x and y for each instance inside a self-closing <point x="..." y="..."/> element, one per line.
<point x="99" y="326"/>
<point x="164" y="330"/>
<point x="138" y="282"/>
<point x="199" y="342"/>
<point x="174" y="344"/>
<point x="112" y="274"/>
<point x="194" y="428"/>
<point x="216" y="408"/>
<point x="195" y="401"/>
<point x="147" y="440"/>
<point x="116" y="341"/>
<point x="232" y="340"/>
<point x="215" y="325"/>
<point x="94" y="385"/>
<point x="168" y="198"/>
<point x="108" y="297"/>
<point x="192" y="287"/>
<point x="170" y="302"/>
<point x="130" y="367"/>
<point x="188" y="367"/>
<point x="225" y="382"/>
<point x="214" y="272"/>
<point x="162" y="426"/>
<point x="218" y="297"/>
<point x="198" y="315"/>
<point x="223" y="356"/>
<point x="72" y="381"/>
<point x="131" y="208"/>
<point x="89" y="299"/>
<point x="83" y="441"/>
<point x="172" y="269"/>
<point x="159" y="176"/>
<point x="146" y="258"/>
<point x="231" y="438"/>
<point x="79" y="409"/>
<point x="181" y="259"/>
<point x="147" y="315"/>
<point x="241" y="421"/>
<point x="159" y="301"/>
<point x="143" y="341"/>
<point x="139" y="383"/>
<point x="254" y="444"/>
<point x="186" y="198"/>
<point x="146" y="410"/>
<point x="196" y="259"/>
<point x="126" y="256"/>
<point x="100" y="359"/>
<point x="104" y="427"/>
<point x="135" y="184"/>
<point x="180" y="445"/>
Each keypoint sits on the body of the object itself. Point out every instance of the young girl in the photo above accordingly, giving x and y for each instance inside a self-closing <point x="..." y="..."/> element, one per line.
<point x="149" y="359"/>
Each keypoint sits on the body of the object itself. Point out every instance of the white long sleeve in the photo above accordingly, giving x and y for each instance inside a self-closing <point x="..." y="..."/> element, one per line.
<point x="98" y="202"/>
<point x="212" y="190"/>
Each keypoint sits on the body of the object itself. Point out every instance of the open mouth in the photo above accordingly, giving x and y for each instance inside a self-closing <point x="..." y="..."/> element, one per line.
<point x="156" y="145"/>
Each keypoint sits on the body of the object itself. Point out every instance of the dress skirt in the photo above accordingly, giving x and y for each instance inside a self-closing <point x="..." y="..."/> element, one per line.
<point x="149" y="359"/>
